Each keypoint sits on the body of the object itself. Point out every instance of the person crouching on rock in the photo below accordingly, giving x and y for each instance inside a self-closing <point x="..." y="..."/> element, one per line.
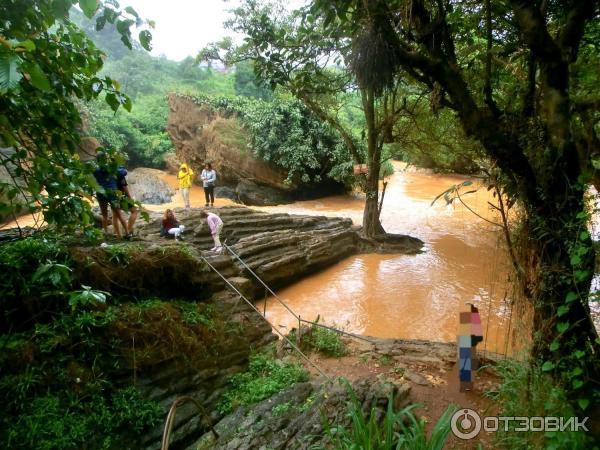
<point x="216" y="225"/>
<point x="170" y="225"/>
<point x="185" y="183"/>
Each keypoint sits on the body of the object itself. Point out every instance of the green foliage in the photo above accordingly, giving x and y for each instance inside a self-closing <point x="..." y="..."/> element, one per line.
<point x="528" y="391"/>
<point x="141" y="134"/>
<point x="435" y="141"/>
<point x="283" y="408"/>
<point x="86" y="296"/>
<point x="370" y="432"/>
<point x="32" y="268"/>
<point x="46" y="65"/>
<point x="322" y="340"/>
<point x="58" y="386"/>
<point x="264" y="378"/>
<point x="288" y="135"/>
<point x="52" y="422"/>
<point x="246" y="83"/>
<point x="196" y="314"/>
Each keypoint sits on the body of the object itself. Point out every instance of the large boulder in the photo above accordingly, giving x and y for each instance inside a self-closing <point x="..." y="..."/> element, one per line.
<point x="147" y="186"/>
<point x="250" y="193"/>
<point x="201" y="134"/>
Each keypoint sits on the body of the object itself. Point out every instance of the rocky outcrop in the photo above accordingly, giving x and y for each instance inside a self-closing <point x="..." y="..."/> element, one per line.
<point x="280" y="248"/>
<point x="147" y="186"/>
<point x="201" y="134"/>
<point x="204" y="377"/>
<point x="296" y="418"/>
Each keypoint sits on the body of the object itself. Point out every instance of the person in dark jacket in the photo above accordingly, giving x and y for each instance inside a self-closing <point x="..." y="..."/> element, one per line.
<point x="107" y="196"/>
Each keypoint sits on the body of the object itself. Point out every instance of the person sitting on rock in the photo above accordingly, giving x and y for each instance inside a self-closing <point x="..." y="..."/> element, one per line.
<point x="209" y="179"/>
<point x="171" y="226"/>
<point x="216" y="225"/>
<point x="185" y="183"/>
<point x="133" y="211"/>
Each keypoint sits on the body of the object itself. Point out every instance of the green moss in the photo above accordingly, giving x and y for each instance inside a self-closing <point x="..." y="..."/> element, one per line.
<point x="231" y="134"/>
<point x="265" y="377"/>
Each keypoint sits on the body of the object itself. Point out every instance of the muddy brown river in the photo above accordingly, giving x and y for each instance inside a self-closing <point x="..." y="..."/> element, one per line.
<point x="410" y="296"/>
<point x="407" y="296"/>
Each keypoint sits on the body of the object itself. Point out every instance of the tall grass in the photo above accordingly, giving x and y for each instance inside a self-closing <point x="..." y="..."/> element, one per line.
<point x="394" y="431"/>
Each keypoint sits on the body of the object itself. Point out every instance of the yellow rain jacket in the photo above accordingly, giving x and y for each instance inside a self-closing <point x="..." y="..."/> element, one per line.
<point x="185" y="177"/>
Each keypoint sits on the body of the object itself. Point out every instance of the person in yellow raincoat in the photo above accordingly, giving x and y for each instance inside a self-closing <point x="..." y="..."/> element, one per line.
<point x="185" y="177"/>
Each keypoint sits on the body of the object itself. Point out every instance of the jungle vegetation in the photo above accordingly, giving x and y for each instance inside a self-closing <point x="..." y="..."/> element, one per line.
<point x="508" y="87"/>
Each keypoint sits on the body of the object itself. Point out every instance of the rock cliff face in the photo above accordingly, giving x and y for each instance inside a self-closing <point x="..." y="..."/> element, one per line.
<point x="200" y="134"/>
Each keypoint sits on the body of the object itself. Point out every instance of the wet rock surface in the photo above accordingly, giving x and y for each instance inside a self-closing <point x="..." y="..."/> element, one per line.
<point x="147" y="186"/>
<point x="279" y="248"/>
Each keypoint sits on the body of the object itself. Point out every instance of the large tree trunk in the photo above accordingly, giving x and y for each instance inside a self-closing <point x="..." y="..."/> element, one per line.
<point x="371" y="223"/>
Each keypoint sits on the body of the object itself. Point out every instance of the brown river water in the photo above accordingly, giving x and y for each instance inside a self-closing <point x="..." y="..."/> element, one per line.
<point x="409" y="296"/>
<point x="406" y="296"/>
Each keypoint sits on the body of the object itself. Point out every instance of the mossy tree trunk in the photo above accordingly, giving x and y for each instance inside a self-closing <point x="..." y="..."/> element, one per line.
<point x="371" y="223"/>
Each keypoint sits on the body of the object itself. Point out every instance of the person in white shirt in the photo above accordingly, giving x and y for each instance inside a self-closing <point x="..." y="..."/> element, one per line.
<point x="209" y="178"/>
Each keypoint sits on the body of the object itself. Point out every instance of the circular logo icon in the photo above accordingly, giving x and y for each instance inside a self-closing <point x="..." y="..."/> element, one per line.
<point x="465" y="423"/>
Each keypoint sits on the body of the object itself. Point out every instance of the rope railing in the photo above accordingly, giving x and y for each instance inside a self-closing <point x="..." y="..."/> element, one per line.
<point x="296" y="316"/>
<point x="294" y="346"/>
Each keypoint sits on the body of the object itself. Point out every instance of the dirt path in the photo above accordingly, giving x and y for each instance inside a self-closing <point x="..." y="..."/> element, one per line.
<point x="431" y="372"/>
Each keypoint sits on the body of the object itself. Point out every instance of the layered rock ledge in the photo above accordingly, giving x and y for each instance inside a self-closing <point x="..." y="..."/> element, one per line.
<point x="279" y="248"/>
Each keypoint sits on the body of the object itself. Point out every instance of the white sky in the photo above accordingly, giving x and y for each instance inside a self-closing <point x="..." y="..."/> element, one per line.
<point x="183" y="27"/>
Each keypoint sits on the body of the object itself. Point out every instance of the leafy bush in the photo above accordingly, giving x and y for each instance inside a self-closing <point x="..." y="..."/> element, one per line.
<point x="96" y="421"/>
<point x="140" y="134"/>
<point x="322" y="340"/>
<point x="57" y="380"/>
<point x="526" y="391"/>
<point x="264" y="378"/>
<point x="33" y="266"/>
<point x="36" y="274"/>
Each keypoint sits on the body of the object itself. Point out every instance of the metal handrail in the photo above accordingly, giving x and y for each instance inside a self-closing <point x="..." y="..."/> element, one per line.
<point x="166" y="437"/>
